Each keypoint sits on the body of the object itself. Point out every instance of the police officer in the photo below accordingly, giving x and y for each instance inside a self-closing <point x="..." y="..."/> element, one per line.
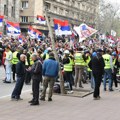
<point x="108" y="70"/>
<point x="68" y="69"/>
<point x="79" y="66"/>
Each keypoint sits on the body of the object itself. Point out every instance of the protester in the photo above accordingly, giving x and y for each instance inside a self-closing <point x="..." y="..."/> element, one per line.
<point x="50" y="72"/>
<point x="8" y="64"/>
<point x="27" y="65"/>
<point x="108" y="70"/>
<point x="30" y="63"/>
<point x="116" y="66"/>
<point x="79" y="66"/>
<point x="20" y="71"/>
<point x="36" y="71"/>
<point x="15" y="60"/>
<point x="79" y="57"/>
<point x="97" y="66"/>
<point x="68" y="69"/>
<point x="91" y="78"/>
<point x="1" y="52"/>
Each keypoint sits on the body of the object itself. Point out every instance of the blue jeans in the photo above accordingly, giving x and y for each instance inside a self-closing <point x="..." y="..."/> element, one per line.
<point x="18" y="87"/>
<point x="108" y="74"/>
<point x="8" y="72"/>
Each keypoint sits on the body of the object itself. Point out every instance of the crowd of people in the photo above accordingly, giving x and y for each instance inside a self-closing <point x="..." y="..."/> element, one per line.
<point x="90" y="60"/>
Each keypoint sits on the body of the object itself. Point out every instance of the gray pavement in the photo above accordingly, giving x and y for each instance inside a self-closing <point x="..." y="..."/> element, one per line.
<point x="61" y="108"/>
<point x="6" y="89"/>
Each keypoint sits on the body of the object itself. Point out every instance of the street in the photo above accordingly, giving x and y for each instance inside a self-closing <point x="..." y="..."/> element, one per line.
<point x="62" y="107"/>
<point x="6" y="89"/>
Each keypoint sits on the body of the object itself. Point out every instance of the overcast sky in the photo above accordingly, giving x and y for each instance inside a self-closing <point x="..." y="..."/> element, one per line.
<point x="113" y="1"/>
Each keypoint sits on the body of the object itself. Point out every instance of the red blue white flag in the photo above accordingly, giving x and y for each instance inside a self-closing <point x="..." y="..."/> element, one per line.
<point x="0" y="35"/>
<point x="34" y="33"/>
<point x="13" y="28"/>
<point x="31" y="32"/>
<point x="41" y="19"/>
<point x="1" y="20"/>
<point x="62" y="27"/>
<point x="20" y="38"/>
<point x="38" y="34"/>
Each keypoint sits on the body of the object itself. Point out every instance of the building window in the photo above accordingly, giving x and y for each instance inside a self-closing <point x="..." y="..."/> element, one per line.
<point x="66" y="12"/>
<point x="5" y="10"/>
<point x="14" y="8"/>
<point x="24" y="4"/>
<point x="55" y="9"/>
<point x="78" y="16"/>
<point x="24" y="19"/>
<point x="61" y="12"/>
<point x="78" y="5"/>
<point x="12" y="12"/>
<point x="47" y="6"/>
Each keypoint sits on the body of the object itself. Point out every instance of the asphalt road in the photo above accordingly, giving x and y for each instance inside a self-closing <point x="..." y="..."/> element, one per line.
<point x="6" y="89"/>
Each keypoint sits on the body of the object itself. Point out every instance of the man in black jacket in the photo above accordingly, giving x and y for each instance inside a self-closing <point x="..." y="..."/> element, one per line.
<point x="20" y="71"/>
<point x="97" y="66"/>
<point x="36" y="71"/>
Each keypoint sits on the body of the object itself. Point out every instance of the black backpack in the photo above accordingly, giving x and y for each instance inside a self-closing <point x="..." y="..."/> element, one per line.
<point x="56" y="88"/>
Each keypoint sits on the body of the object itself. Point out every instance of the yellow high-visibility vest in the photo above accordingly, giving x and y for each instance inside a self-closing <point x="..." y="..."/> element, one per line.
<point x="15" y="60"/>
<point x="69" y="67"/>
<point x="79" y="59"/>
<point x="87" y="61"/>
<point x="31" y="61"/>
<point x="106" y="58"/>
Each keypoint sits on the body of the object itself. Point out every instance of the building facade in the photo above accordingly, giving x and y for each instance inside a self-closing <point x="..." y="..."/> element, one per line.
<point x="75" y="11"/>
<point x="10" y="10"/>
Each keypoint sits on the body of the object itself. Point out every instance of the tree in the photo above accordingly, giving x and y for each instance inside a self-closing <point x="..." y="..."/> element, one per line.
<point x="108" y="17"/>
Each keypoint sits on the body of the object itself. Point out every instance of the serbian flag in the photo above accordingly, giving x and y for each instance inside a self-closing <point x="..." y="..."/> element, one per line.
<point x="84" y="31"/>
<point x="41" y="19"/>
<point x="31" y="32"/>
<point x="13" y="28"/>
<point x="62" y="27"/>
<point x="34" y="33"/>
<point x="38" y="34"/>
<point x="20" y="38"/>
<point x="1" y="20"/>
<point x="0" y="35"/>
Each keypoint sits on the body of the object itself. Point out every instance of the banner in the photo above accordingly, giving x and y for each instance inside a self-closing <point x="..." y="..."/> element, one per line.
<point x="84" y="31"/>
<point x="113" y="33"/>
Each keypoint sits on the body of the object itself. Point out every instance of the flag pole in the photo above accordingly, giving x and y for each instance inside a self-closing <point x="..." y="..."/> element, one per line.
<point x="55" y="52"/>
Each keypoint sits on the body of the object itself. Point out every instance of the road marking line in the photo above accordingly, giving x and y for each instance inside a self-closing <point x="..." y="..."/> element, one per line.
<point x="10" y="94"/>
